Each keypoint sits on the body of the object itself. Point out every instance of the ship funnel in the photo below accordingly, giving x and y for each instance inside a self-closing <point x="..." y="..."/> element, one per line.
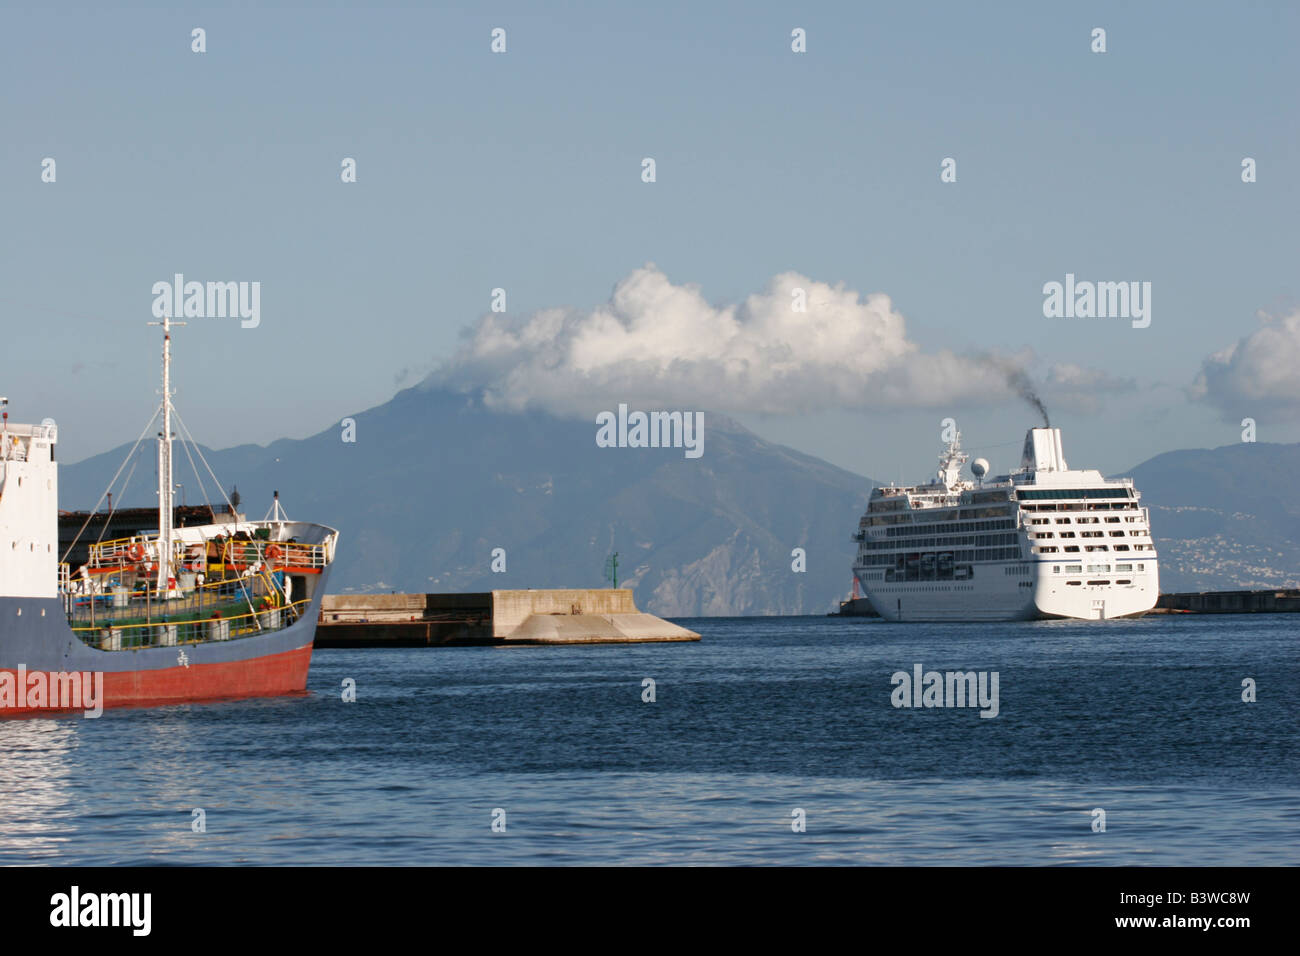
<point x="1043" y="451"/>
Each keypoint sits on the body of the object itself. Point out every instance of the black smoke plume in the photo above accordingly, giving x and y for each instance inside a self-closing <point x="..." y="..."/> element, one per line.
<point x="1020" y="383"/>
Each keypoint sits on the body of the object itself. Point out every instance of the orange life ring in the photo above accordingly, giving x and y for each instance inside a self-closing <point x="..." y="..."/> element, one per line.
<point x="135" y="552"/>
<point x="273" y="553"/>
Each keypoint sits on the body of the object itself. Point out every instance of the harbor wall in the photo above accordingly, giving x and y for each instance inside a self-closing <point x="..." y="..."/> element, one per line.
<point x="560" y="616"/>
<point x="1231" y="602"/>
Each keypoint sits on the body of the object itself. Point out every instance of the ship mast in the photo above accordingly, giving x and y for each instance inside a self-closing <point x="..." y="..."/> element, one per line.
<point x="165" y="486"/>
<point x="950" y="463"/>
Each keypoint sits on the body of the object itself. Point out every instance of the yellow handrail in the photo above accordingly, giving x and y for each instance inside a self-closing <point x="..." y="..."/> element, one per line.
<point x="207" y="620"/>
<point x="227" y="583"/>
<point x="238" y="625"/>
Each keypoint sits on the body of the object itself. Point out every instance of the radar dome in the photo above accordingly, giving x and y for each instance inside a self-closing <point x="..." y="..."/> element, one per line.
<point x="979" y="467"/>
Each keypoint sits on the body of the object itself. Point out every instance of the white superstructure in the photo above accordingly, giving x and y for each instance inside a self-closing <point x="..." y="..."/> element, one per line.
<point x="1043" y="541"/>
<point x="29" y="511"/>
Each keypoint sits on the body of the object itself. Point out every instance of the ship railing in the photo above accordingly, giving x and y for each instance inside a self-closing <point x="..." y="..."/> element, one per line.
<point x="115" y="553"/>
<point x="296" y="555"/>
<point x="101" y="604"/>
<point x="234" y="552"/>
<point x="40" y="432"/>
<point x="118" y="636"/>
<point x="44" y="432"/>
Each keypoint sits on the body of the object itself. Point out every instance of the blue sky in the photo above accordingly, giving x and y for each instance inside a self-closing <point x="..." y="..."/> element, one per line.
<point x="522" y="171"/>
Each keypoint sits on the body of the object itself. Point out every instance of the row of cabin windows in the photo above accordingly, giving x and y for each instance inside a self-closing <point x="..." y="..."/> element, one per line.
<point x="955" y="541"/>
<point x="1129" y="519"/>
<point x="1108" y="506"/>
<point x="1094" y="568"/>
<point x="1109" y="520"/>
<point x="901" y="561"/>
<point x="929" y="515"/>
<point x="1074" y="548"/>
<point x="960" y="528"/>
<point x="1032" y="494"/>
<point x="1137" y="533"/>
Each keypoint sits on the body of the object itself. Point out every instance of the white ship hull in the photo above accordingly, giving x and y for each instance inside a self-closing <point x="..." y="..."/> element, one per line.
<point x="993" y="595"/>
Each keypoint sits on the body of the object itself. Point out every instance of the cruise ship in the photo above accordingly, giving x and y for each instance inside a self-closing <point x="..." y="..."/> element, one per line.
<point x="1045" y="541"/>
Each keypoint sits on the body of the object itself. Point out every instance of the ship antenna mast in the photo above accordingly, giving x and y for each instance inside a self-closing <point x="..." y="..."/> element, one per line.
<point x="165" y="489"/>
<point x="950" y="463"/>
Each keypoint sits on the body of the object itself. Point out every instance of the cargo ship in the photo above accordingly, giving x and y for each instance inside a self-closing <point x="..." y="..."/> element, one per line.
<point x="1044" y="541"/>
<point x="203" y="612"/>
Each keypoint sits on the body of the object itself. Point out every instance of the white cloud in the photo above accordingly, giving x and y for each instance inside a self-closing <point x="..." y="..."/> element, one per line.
<point x="1259" y="375"/>
<point x="657" y="344"/>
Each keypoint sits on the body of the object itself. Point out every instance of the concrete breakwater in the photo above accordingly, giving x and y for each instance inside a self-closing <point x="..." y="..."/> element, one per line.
<point x="566" y="616"/>
<point x="1230" y="602"/>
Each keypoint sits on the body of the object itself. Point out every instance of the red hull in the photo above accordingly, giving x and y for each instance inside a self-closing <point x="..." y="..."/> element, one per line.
<point x="271" y="676"/>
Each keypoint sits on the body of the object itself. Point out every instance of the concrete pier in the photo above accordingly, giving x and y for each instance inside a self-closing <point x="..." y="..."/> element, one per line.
<point x="1230" y="602"/>
<point x="568" y="616"/>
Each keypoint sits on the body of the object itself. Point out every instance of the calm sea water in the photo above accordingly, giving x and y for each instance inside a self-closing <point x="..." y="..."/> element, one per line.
<point x="1143" y="719"/>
